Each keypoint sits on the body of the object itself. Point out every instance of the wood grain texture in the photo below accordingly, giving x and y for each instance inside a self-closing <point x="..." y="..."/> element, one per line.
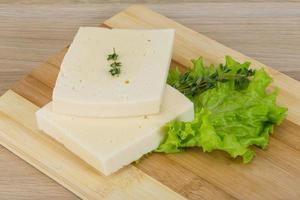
<point x="267" y="32"/>
<point x="30" y="33"/>
<point x="20" y="134"/>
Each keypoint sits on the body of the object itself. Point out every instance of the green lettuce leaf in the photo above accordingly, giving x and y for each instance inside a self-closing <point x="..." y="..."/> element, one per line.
<point x="227" y="117"/>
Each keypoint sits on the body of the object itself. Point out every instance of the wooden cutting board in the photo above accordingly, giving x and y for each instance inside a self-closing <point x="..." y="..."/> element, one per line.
<point x="273" y="174"/>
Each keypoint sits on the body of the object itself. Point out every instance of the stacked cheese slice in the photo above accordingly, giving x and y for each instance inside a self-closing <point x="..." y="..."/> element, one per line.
<point x="110" y="121"/>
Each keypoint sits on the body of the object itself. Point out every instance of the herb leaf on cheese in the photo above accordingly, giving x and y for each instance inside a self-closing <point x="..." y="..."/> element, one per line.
<point x="115" y="66"/>
<point x="230" y="116"/>
<point x="113" y="56"/>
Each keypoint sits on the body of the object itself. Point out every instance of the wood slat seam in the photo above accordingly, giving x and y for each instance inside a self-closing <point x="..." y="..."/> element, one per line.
<point x="282" y="144"/>
<point x="222" y="189"/>
<point x="30" y="76"/>
<point x="231" y="195"/>
<point x="49" y="63"/>
<point x="14" y="149"/>
<point x="44" y="84"/>
<point x="288" y="145"/>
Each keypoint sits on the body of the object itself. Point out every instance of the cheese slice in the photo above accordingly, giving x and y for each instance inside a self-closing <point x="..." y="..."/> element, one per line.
<point x="85" y="87"/>
<point x="108" y="144"/>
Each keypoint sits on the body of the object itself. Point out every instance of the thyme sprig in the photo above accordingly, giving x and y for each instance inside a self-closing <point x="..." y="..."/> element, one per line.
<point x="200" y="78"/>
<point x="115" y="66"/>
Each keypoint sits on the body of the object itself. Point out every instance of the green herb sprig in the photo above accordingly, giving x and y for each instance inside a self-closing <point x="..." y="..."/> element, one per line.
<point x="115" y="66"/>
<point x="199" y="79"/>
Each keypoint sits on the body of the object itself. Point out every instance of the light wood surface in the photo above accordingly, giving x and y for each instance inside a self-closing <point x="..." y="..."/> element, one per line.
<point x="27" y="47"/>
<point x="19" y="133"/>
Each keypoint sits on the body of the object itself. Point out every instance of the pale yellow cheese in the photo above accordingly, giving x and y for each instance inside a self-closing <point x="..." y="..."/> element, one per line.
<point x="111" y="143"/>
<point x="85" y="87"/>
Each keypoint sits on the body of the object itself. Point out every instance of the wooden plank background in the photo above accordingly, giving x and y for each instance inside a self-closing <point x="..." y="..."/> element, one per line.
<point x="32" y="30"/>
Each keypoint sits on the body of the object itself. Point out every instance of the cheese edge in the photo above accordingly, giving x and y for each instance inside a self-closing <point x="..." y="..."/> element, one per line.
<point x="115" y="161"/>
